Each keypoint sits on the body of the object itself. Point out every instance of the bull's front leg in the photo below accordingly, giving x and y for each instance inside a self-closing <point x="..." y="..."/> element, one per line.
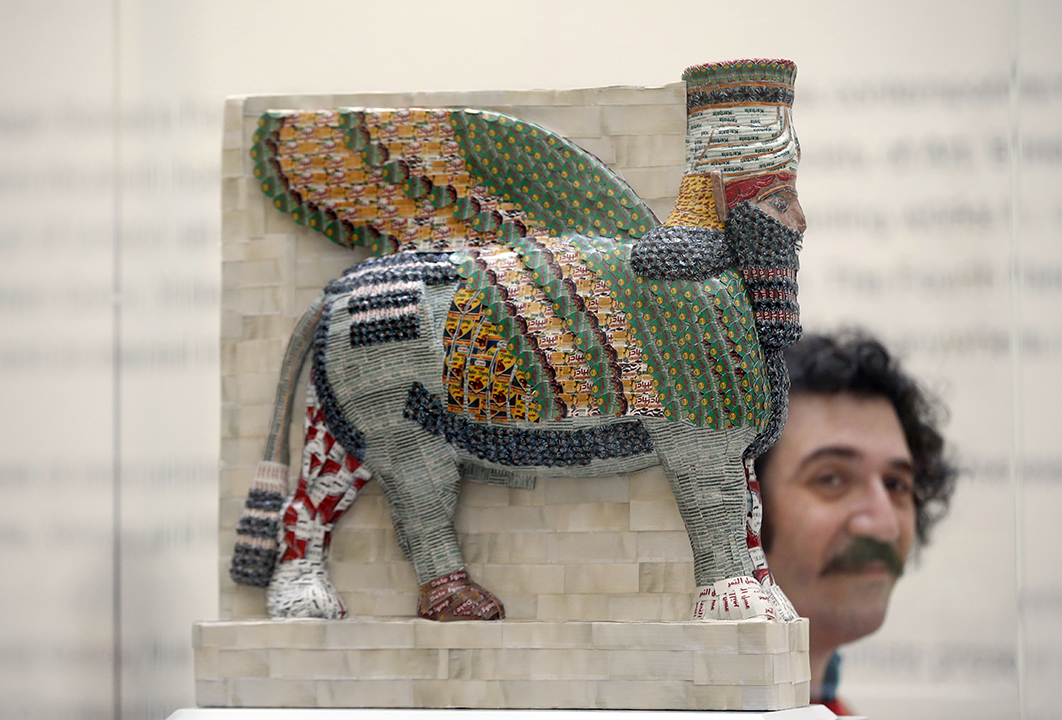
<point x="707" y="475"/>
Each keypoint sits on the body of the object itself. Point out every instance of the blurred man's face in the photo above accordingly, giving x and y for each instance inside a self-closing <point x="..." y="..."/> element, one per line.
<point x="838" y="497"/>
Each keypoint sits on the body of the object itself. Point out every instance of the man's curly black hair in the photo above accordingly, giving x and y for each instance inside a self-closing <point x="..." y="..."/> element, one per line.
<point x="858" y="364"/>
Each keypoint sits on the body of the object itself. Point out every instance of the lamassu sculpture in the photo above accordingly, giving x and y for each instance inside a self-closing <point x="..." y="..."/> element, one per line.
<point x="529" y="315"/>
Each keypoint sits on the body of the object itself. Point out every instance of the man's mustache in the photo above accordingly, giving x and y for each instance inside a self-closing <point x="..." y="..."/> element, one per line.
<point x="863" y="551"/>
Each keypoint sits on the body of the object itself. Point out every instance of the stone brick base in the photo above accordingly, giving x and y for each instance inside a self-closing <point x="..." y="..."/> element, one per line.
<point x="401" y="662"/>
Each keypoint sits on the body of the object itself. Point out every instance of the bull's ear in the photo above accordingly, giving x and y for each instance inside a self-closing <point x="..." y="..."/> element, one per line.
<point x="719" y="194"/>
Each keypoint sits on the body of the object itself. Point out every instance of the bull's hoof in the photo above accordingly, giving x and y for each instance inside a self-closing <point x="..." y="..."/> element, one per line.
<point x="301" y="589"/>
<point x="738" y="598"/>
<point x="456" y="597"/>
<point x="783" y="607"/>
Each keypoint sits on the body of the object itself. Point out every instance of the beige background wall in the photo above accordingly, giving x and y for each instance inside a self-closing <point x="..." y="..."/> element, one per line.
<point x="930" y="176"/>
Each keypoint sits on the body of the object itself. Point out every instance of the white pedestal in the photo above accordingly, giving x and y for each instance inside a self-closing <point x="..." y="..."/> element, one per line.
<point x="411" y="663"/>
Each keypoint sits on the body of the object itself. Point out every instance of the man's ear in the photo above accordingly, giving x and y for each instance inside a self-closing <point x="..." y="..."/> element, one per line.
<point x="719" y="195"/>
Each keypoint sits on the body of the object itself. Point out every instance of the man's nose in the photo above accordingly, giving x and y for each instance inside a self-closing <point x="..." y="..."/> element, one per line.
<point x="875" y="515"/>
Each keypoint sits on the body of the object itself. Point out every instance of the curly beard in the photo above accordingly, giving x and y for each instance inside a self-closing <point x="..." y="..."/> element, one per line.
<point x="767" y="253"/>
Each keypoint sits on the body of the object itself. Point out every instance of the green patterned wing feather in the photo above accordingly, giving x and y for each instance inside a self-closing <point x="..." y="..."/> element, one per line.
<point x="436" y="180"/>
<point x="556" y="184"/>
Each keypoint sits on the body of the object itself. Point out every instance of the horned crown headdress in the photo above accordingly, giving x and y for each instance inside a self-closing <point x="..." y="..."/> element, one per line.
<point x="739" y="118"/>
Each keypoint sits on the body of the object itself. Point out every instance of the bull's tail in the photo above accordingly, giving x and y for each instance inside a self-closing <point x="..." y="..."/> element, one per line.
<point x="255" y="552"/>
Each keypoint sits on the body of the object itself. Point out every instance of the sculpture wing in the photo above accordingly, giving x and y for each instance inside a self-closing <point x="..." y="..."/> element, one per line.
<point x="437" y="180"/>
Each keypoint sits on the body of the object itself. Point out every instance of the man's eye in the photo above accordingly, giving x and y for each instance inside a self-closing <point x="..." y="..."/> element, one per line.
<point x="900" y="486"/>
<point x="829" y="481"/>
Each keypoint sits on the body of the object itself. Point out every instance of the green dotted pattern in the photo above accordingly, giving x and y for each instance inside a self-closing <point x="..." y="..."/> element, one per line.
<point x="699" y="337"/>
<point x="559" y="186"/>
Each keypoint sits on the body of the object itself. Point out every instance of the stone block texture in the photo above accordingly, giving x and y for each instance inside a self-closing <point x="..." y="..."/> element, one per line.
<point x="403" y="662"/>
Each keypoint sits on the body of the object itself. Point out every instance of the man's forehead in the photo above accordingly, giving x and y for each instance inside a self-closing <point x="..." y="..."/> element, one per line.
<point x="842" y="425"/>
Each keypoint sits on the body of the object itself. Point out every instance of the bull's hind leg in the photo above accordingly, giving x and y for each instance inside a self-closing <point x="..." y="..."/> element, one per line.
<point x="421" y="483"/>
<point x="707" y="476"/>
<point x="374" y="346"/>
<point x="329" y="481"/>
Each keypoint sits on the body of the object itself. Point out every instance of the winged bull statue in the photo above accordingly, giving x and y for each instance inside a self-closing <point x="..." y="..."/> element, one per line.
<point x="526" y="314"/>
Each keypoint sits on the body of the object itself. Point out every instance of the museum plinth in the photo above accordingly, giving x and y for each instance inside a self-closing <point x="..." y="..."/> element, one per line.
<point x="408" y="663"/>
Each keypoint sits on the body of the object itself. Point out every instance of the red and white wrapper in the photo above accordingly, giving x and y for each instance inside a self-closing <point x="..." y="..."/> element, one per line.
<point x="739" y="598"/>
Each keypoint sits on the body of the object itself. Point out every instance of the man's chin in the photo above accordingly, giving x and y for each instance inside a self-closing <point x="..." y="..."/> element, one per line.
<point x="850" y="619"/>
<point x="867" y="589"/>
<point x="858" y="624"/>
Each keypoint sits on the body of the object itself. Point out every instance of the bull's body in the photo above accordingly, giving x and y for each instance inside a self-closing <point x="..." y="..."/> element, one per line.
<point x="597" y="406"/>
